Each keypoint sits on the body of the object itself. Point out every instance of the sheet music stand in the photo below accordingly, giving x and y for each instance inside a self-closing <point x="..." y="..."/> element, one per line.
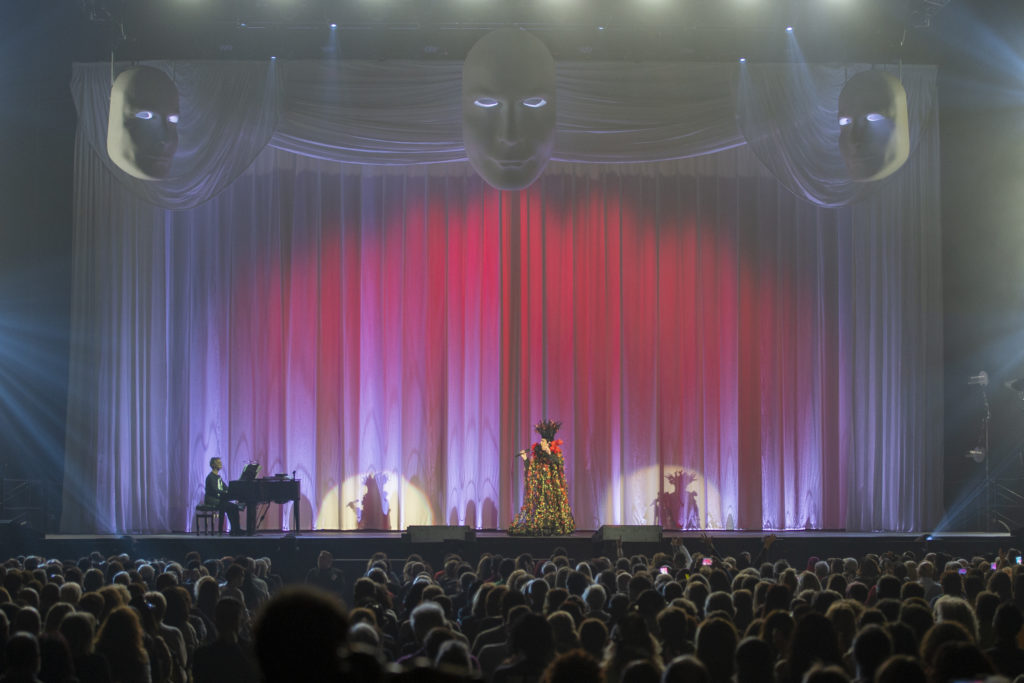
<point x="249" y="472"/>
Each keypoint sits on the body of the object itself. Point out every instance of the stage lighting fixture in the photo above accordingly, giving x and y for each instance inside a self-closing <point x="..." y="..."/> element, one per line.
<point x="273" y="58"/>
<point x="976" y="454"/>
<point x="1016" y="385"/>
<point x="333" y="25"/>
<point x="789" y="29"/>
<point x="743" y="60"/>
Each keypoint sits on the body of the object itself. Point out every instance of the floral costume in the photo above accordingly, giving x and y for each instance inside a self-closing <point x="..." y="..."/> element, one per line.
<point x="545" y="510"/>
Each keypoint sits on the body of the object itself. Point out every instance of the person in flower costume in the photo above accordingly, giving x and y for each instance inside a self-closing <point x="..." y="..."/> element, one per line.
<point x="545" y="510"/>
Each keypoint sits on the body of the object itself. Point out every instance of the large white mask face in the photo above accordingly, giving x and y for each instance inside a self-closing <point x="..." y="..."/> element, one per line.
<point x="874" y="135"/>
<point x="142" y="133"/>
<point x="508" y="108"/>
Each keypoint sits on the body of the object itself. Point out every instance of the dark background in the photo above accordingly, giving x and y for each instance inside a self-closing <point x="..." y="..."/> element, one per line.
<point x="978" y="45"/>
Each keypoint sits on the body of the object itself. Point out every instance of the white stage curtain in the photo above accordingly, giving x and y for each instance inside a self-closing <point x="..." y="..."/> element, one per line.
<point x="388" y="327"/>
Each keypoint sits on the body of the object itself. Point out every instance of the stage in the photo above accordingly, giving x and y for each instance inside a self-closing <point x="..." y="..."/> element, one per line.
<point x="293" y="554"/>
<point x="386" y="328"/>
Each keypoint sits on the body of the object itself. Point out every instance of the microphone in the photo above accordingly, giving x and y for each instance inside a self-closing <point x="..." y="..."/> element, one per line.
<point x="981" y="379"/>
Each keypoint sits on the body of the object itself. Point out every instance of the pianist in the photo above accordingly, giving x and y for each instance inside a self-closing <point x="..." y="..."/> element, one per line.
<point x="217" y="495"/>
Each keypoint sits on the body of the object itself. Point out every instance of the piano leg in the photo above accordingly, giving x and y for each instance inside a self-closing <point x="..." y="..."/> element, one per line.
<point x="251" y="517"/>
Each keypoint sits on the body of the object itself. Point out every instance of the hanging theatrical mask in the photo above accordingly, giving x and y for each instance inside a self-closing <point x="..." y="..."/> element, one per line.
<point x="874" y="135"/>
<point x="508" y="108"/>
<point x="142" y="132"/>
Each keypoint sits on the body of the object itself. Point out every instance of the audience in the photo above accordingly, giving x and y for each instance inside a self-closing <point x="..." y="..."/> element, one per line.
<point x="670" y="617"/>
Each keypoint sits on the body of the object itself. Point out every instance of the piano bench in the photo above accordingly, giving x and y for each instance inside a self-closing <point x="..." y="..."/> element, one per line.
<point x="205" y="515"/>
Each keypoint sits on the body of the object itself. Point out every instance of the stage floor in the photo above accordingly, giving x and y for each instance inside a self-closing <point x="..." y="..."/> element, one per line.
<point x="294" y="553"/>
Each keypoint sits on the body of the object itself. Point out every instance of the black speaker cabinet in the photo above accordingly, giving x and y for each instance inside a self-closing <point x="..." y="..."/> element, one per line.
<point x="17" y="537"/>
<point x="438" y="533"/>
<point x="629" y="533"/>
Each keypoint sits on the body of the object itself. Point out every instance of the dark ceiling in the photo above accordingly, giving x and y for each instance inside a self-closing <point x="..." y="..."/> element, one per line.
<point x="636" y="30"/>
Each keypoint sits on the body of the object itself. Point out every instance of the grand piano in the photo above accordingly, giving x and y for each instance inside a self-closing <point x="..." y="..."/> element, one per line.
<point x="257" y="492"/>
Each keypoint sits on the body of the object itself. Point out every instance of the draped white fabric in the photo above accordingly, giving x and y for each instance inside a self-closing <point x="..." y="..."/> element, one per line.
<point x="357" y="307"/>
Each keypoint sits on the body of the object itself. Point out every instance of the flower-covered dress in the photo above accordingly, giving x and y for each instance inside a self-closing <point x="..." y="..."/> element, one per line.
<point x="545" y="510"/>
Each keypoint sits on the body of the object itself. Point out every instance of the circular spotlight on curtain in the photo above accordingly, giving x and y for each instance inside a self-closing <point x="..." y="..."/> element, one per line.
<point x="874" y="133"/>
<point x="508" y="108"/>
<point x="689" y="502"/>
<point x="372" y="500"/>
<point x="142" y="131"/>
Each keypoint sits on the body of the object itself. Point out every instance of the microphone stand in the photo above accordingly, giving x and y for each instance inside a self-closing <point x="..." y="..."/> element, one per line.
<point x="988" y="476"/>
<point x="981" y="381"/>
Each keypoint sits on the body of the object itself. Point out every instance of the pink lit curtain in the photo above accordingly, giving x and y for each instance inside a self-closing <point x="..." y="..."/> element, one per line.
<point x="389" y="332"/>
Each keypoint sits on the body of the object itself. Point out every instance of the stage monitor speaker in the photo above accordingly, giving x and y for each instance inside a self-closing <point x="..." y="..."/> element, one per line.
<point x="1018" y="539"/>
<point x="18" y="536"/>
<point x="629" y="533"/>
<point x="438" y="533"/>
